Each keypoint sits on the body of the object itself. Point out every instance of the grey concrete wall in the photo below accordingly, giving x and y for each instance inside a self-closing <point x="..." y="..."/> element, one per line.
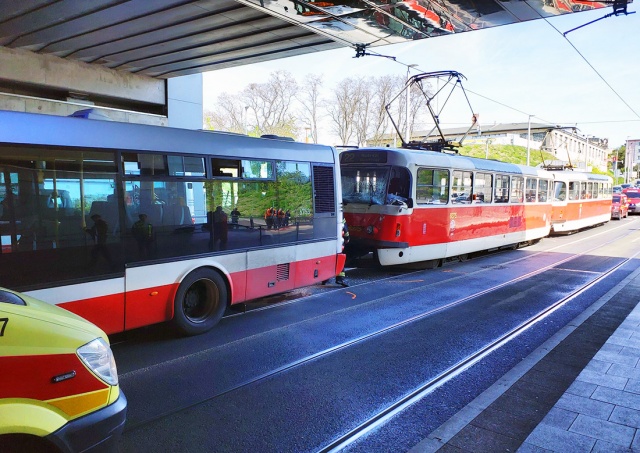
<point x="55" y="72"/>
<point x="51" y="72"/>
<point x="49" y="107"/>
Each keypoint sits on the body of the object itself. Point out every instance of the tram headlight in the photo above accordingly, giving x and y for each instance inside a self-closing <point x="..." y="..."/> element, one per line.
<point x="398" y="229"/>
<point x="370" y="229"/>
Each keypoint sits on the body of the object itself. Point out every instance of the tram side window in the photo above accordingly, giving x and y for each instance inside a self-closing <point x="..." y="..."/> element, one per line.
<point x="531" y="190"/>
<point x="517" y="189"/>
<point x="543" y="190"/>
<point x="432" y="186"/>
<point x="594" y="189"/>
<point x="560" y="191"/>
<point x="461" y="186"/>
<point x="482" y="188"/>
<point x="502" y="189"/>
<point x="574" y="190"/>
<point x="584" y="194"/>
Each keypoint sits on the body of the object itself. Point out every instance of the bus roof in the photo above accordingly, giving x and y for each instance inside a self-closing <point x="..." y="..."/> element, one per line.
<point x="50" y="130"/>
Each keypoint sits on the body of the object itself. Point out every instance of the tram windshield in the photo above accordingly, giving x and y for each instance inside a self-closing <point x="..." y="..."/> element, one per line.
<point x="375" y="185"/>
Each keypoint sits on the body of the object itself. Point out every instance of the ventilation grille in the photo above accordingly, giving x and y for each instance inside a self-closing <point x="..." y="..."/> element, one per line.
<point x="324" y="190"/>
<point x="282" y="272"/>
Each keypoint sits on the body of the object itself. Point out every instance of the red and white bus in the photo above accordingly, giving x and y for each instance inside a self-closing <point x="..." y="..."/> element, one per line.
<point x="580" y="200"/>
<point x="411" y="206"/>
<point x="129" y="225"/>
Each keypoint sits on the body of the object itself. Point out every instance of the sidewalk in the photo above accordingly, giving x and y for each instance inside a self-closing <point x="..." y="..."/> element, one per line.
<point x="578" y="392"/>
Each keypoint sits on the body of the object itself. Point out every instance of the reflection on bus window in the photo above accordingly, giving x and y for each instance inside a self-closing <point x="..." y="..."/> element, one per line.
<point x="48" y="201"/>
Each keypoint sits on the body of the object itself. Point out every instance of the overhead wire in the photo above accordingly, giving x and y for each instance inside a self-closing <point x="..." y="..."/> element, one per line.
<point x="588" y="63"/>
<point x="581" y="56"/>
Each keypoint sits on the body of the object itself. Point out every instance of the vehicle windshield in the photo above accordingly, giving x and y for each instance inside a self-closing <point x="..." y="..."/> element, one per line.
<point x="616" y="198"/>
<point x="633" y="196"/>
<point x="364" y="185"/>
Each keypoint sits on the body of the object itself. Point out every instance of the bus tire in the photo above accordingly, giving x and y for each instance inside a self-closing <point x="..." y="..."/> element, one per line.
<point x="200" y="302"/>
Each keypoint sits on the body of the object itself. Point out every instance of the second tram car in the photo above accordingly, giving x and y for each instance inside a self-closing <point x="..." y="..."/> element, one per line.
<point x="580" y="200"/>
<point x="410" y="206"/>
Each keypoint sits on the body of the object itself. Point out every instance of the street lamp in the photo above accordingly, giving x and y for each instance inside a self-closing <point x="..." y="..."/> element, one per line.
<point x="626" y="160"/>
<point x="528" y="140"/>
<point x="586" y="153"/>
<point x="408" y="129"/>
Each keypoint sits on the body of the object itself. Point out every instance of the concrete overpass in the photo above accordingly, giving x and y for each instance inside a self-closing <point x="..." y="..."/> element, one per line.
<point x="127" y="57"/>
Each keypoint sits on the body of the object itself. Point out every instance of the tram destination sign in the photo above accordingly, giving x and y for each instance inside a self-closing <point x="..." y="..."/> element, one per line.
<point x="362" y="157"/>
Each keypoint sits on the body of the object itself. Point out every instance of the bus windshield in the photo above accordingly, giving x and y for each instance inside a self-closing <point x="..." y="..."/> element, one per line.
<point x="365" y="185"/>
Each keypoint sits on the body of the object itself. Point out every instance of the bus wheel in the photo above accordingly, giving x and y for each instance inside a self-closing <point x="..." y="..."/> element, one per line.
<point x="200" y="302"/>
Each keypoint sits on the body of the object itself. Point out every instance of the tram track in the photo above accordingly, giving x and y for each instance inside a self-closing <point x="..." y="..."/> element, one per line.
<point x="430" y="385"/>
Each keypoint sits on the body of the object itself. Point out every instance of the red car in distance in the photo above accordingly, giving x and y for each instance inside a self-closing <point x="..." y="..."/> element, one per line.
<point x="619" y="206"/>
<point x="633" y="199"/>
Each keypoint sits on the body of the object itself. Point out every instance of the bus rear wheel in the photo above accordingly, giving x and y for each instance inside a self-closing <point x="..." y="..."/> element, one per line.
<point x="200" y="302"/>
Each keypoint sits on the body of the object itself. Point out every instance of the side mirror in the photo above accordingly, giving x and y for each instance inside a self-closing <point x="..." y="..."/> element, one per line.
<point x="410" y="203"/>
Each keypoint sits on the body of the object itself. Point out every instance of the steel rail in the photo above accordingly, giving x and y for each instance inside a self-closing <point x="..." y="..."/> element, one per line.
<point x="428" y="387"/>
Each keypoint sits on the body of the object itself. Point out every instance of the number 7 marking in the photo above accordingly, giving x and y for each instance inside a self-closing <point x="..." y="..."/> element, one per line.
<point x="3" y="324"/>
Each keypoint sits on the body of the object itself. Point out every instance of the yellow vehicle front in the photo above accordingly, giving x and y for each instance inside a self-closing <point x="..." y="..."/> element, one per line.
<point x="58" y="380"/>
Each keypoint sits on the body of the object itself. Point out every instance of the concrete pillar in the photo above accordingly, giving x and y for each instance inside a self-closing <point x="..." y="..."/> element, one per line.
<point x="185" y="102"/>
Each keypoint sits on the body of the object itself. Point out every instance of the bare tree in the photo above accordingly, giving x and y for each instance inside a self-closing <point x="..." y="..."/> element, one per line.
<point x="342" y="109"/>
<point x="227" y="114"/>
<point x="310" y="101"/>
<point x="269" y="105"/>
<point x="364" y="96"/>
<point x="385" y="88"/>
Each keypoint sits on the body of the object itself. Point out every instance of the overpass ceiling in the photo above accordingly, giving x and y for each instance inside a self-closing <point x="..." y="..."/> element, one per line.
<point x="169" y="38"/>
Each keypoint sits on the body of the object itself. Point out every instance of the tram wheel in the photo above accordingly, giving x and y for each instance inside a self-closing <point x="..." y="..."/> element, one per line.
<point x="200" y="302"/>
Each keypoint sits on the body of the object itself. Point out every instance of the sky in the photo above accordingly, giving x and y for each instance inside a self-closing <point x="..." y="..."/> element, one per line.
<point x="590" y="79"/>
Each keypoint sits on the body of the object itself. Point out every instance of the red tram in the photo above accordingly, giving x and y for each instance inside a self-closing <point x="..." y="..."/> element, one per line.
<point x="410" y="206"/>
<point x="580" y="200"/>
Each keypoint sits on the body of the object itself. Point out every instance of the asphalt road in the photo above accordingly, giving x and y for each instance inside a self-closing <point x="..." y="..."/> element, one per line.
<point x="296" y="372"/>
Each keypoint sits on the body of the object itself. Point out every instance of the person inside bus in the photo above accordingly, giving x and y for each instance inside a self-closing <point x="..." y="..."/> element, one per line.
<point x="143" y="233"/>
<point x="220" y="227"/>
<point x="235" y="217"/>
<point x="99" y="232"/>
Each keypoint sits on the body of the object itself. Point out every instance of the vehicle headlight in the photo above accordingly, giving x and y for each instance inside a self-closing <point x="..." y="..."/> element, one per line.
<point x="98" y="357"/>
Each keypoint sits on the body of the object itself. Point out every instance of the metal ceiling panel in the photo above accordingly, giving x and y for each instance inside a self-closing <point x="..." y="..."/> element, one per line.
<point x="378" y="22"/>
<point x="169" y="38"/>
